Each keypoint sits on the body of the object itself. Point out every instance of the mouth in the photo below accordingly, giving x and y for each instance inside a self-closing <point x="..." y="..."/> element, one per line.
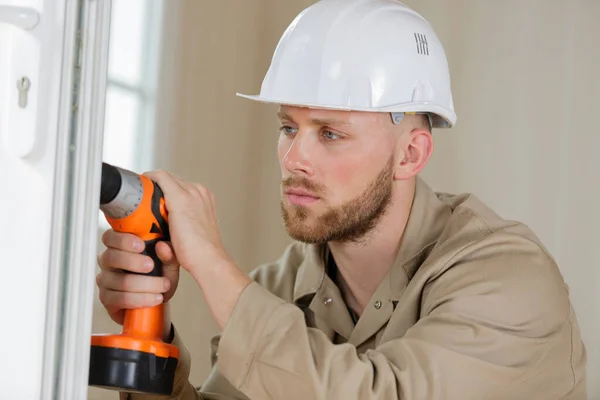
<point x="300" y="196"/>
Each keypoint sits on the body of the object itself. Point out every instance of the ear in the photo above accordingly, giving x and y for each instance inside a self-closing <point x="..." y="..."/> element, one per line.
<point x="414" y="150"/>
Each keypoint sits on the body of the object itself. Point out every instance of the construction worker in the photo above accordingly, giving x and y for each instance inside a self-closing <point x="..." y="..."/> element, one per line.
<point x="390" y="290"/>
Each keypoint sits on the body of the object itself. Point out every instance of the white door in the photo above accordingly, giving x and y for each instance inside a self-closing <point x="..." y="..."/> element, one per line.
<point x="50" y="162"/>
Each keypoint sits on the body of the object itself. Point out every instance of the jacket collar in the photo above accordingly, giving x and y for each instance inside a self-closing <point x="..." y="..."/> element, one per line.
<point x="427" y="219"/>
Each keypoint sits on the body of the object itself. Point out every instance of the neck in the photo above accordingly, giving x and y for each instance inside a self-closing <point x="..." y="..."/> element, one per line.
<point x="362" y="266"/>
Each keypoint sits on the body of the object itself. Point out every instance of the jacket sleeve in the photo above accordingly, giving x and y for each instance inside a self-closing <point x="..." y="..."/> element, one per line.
<point x="276" y="275"/>
<point x="215" y="388"/>
<point x="496" y="325"/>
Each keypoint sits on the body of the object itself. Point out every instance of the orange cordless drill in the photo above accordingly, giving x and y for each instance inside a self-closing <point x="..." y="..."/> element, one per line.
<point x="137" y="360"/>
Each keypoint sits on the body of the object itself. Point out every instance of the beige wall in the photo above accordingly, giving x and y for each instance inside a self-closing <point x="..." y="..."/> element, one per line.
<point x="526" y="92"/>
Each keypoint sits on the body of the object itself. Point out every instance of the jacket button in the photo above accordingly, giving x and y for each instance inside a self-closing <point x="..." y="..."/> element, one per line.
<point x="327" y="300"/>
<point x="378" y="304"/>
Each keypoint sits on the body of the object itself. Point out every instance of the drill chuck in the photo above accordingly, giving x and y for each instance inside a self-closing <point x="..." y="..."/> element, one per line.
<point x="111" y="183"/>
<point x="121" y="192"/>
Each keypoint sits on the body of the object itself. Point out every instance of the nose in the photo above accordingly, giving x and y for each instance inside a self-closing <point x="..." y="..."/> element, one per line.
<point x="297" y="157"/>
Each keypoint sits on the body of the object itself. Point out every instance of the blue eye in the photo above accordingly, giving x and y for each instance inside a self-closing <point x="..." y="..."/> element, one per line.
<point x="330" y="135"/>
<point x="287" y="130"/>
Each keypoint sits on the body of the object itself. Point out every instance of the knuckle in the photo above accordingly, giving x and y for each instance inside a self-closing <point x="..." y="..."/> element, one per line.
<point x="122" y="242"/>
<point x="113" y="239"/>
<point x="202" y="189"/>
<point x="159" y="173"/>
<point x="194" y="191"/>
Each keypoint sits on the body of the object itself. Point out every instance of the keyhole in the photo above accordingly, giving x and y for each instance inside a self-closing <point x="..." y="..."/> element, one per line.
<point x="23" y="85"/>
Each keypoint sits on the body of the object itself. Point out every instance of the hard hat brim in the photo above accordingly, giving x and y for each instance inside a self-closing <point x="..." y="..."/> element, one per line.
<point x="445" y="118"/>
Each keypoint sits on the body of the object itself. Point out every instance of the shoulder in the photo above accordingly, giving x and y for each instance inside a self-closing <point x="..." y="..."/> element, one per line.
<point x="472" y="220"/>
<point x="473" y="228"/>
<point x="279" y="276"/>
<point x="491" y="281"/>
<point x="488" y="264"/>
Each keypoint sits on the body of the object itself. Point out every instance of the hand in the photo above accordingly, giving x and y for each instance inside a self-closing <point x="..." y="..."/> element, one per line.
<point x="192" y="221"/>
<point x="119" y="290"/>
<point x="197" y="243"/>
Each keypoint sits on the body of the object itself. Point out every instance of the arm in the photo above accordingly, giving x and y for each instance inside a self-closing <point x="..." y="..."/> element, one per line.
<point x="497" y="323"/>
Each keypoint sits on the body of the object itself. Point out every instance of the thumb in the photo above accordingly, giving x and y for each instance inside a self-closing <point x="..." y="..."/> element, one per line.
<point x="171" y="272"/>
<point x="170" y="268"/>
<point x="164" y="251"/>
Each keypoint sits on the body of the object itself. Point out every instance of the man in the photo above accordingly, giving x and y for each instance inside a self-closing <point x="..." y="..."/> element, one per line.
<point x="392" y="291"/>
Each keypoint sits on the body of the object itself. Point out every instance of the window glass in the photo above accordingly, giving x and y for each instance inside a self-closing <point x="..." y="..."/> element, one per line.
<point x="127" y="41"/>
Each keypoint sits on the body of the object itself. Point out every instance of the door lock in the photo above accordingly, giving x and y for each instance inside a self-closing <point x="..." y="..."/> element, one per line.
<point x="23" y="86"/>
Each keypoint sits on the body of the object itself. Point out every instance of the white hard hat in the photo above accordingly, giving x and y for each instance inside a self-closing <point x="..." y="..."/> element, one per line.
<point x="362" y="55"/>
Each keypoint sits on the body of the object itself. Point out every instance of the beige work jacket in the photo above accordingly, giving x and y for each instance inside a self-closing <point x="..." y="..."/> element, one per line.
<point x="473" y="308"/>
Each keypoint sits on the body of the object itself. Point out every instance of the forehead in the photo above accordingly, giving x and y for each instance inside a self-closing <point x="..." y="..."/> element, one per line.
<point x="307" y="115"/>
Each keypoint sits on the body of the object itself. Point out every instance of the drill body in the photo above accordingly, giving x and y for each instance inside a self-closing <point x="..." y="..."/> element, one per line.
<point x="137" y="360"/>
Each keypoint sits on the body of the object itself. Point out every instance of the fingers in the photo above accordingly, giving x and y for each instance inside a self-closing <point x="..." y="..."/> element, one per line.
<point x="115" y="301"/>
<point x="160" y="174"/>
<point x="122" y="241"/>
<point x="133" y="283"/>
<point x="119" y="259"/>
<point x="177" y="179"/>
<point x="121" y="249"/>
<point x="119" y="291"/>
<point x="171" y="183"/>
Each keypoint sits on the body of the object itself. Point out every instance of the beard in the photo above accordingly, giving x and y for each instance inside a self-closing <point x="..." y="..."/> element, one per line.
<point x="348" y="222"/>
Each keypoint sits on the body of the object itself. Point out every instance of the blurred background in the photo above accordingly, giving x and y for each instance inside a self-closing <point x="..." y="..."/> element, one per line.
<point x="526" y="91"/>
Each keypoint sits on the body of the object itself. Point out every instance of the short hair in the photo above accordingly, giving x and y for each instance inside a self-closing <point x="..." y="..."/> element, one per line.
<point x="426" y="120"/>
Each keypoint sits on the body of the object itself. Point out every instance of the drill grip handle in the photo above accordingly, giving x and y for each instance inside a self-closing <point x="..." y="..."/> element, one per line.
<point x="150" y="251"/>
<point x="148" y="322"/>
<point x="159" y="212"/>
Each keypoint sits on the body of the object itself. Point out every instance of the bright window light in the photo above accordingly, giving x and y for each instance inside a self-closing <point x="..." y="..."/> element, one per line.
<point x="130" y="96"/>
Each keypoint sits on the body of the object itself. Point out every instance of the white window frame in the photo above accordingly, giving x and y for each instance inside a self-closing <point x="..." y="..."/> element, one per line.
<point x="51" y="275"/>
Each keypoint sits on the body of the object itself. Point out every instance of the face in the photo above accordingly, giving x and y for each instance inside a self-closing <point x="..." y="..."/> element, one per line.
<point x="338" y="172"/>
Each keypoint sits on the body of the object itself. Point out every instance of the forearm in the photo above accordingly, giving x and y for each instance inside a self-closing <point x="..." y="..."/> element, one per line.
<point x="222" y="283"/>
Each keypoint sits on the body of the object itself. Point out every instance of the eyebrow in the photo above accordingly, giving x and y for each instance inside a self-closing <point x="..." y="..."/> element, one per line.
<point x="317" y="121"/>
